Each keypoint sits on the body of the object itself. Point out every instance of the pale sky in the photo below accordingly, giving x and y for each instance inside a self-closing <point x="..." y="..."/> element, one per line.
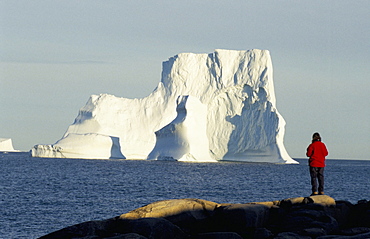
<point x="55" y="54"/>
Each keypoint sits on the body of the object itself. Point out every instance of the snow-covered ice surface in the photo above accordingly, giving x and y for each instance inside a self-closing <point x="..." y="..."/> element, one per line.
<point x="185" y="138"/>
<point x="6" y="145"/>
<point x="207" y="107"/>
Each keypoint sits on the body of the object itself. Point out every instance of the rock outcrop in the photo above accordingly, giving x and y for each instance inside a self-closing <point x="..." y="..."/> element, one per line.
<point x="304" y="217"/>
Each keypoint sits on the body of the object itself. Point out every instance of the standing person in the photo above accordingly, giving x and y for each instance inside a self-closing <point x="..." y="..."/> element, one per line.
<point x="317" y="152"/>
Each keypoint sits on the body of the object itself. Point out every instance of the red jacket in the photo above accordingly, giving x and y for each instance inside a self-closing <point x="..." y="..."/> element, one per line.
<point x="317" y="152"/>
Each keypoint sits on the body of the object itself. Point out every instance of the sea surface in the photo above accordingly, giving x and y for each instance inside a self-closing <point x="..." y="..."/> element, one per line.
<point x="41" y="195"/>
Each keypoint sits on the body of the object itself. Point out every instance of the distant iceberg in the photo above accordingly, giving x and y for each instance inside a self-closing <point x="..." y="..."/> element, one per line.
<point x="6" y="145"/>
<point x="207" y="107"/>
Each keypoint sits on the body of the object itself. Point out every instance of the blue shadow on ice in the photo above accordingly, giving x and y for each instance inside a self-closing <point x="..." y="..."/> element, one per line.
<point x="115" y="152"/>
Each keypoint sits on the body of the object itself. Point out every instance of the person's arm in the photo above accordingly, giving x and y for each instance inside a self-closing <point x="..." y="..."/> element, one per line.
<point x="325" y="150"/>
<point x="309" y="151"/>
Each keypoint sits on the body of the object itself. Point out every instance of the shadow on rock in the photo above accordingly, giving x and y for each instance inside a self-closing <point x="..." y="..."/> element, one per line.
<point x="303" y="217"/>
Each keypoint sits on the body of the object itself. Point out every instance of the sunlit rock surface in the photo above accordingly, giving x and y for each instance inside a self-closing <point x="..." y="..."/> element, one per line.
<point x="303" y="217"/>
<point x="230" y="114"/>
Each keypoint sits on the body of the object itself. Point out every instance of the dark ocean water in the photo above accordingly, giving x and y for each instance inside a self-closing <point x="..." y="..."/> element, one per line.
<point x="41" y="195"/>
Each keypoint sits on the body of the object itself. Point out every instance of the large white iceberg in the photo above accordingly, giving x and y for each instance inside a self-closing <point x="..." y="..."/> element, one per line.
<point x="6" y="145"/>
<point x="207" y="107"/>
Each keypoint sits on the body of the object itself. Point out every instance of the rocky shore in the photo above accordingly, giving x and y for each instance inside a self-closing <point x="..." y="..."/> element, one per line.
<point x="319" y="217"/>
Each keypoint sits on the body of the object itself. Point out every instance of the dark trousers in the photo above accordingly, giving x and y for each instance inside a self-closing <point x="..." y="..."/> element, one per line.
<point x="317" y="175"/>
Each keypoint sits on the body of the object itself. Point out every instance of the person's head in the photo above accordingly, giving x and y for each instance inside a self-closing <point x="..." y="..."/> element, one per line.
<point x="316" y="137"/>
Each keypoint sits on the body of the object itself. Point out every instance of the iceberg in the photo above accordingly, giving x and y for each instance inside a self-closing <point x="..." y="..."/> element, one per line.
<point x="185" y="138"/>
<point x="206" y="108"/>
<point x="6" y="145"/>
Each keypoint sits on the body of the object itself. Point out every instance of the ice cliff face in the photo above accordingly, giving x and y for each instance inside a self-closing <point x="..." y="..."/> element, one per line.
<point x="185" y="138"/>
<point x="207" y="107"/>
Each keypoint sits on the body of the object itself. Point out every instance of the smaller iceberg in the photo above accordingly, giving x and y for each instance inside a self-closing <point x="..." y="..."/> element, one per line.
<point x="6" y="145"/>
